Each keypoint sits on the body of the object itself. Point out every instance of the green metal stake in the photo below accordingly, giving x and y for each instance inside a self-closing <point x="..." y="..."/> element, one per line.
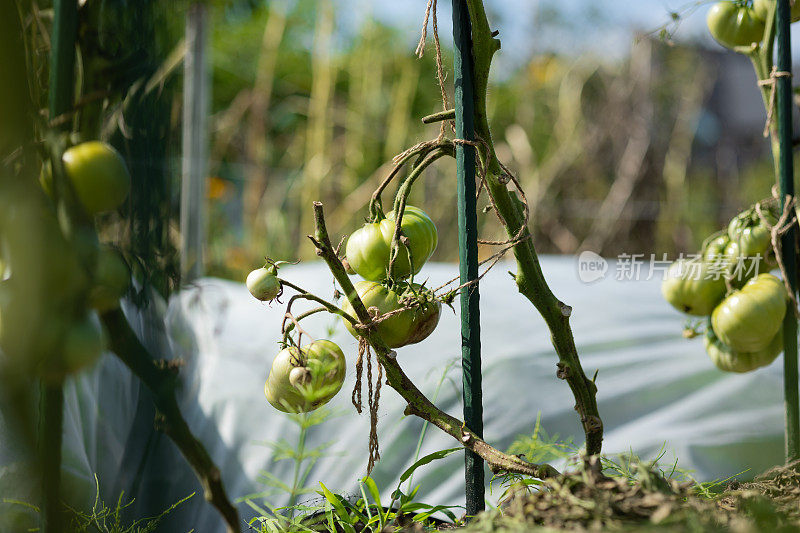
<point x="468" y="251"/>
<point x="62" y="84"/>
<point x="789" y="252"/>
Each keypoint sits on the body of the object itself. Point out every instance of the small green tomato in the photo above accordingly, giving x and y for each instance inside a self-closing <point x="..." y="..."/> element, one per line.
<point x="263" y="284"/>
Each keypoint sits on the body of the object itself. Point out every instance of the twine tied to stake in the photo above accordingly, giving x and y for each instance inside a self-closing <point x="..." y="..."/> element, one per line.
<point x="784" y="223"/>
<point x="772" y="82"/>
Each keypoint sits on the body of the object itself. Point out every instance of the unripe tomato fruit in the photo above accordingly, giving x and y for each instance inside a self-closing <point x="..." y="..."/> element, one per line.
<point x="368" y="248"/>
<point x="407" y="327"/>
<point x="733" y="25"/>
<point x="749" y="318"/>
<point x="263" y="284"/>
<point x="84" y="343"/>
<point x="98" y="174"/>
<point x="112" y="278"/>
<point x="686" y="288"/>
<point x="715" y="251"/>
<point x="761" y="9"/>
<point x="302" y="380"/>
<point x="727" y="359"/>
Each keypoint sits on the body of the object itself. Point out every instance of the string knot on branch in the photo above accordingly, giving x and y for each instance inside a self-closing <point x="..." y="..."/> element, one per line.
<point x="784" y="223"/>
<point x="771" y="82"/>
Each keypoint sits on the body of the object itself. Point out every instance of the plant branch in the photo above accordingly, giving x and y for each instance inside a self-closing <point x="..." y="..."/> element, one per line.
<point x="530" y="279"/>
<point x="302" y="293"/>
<point x="402" y="198"/>
<point x="162" y="380"/>
<point x="418" y="404"/>
<point x="421" y="149"/>
<point x="449" y="114"/>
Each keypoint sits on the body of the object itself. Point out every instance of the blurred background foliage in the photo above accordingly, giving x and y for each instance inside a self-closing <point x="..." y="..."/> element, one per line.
<point x="634" y="154"/>
<point x="643" y="151"/>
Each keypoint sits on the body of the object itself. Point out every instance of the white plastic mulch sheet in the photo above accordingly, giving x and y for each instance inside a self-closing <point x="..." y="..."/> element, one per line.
<point x="655" y="389"/>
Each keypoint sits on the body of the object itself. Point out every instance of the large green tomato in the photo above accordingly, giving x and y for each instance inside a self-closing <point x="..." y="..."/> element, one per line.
<point x="689" y="286"/>
<point x="715" y="250"/>
<point x="751" y="234"/>
<point x="733" y="25"/>
<point x="368" y="248"/>
<point x="112" y="278"/>
<point x="749" y="318"/>
<point x="407" y="327"/>
<point x="263" y="284"/>
<point x="729" y="360"/>
<point x="302" y="380"/>
<point x="98" y="174"/>
<point x="750" y="248"/>
<point x="761" y="9"/>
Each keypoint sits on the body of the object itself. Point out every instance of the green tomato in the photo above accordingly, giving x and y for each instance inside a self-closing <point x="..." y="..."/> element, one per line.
<point x="751" y="233"/>
<point x="263" y="284"/>
<point x="733" y="25"/>
<point x="749" y="318"/>
<point x="112" y="278"/>
<point x="407" y="327"/>
<point x="368" y="248"/>
<point x="727" y="359"/>
<point x="689" y="286"/>
<point x="80" y="342"/>
<point x="302" y="380"/>
<point x="98" y="174"/>
<point x="715" y="250"/>
<point x="84" y="343"/>
<point x="761" y="9"/>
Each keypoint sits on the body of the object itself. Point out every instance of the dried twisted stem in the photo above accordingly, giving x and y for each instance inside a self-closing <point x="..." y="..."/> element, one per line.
<point x="162" y="381"/>
<point x="418" y="404"/>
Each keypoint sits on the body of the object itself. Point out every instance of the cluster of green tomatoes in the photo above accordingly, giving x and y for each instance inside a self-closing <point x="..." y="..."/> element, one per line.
<point x="740" y="23"/>
<point x="90" y="278"/>
<point x="404" y="312"/>
<point x="729" y="282"/>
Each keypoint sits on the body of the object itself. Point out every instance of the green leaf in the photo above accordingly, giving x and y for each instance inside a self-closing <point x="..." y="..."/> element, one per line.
<point x="376" y="497"/>
<point x="347" y="520"/>
<point x="441" y="454"/>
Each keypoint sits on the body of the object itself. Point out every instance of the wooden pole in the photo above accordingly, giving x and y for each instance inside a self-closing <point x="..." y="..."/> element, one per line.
<point x="788" y="248"/>
<point x="468" y="251"/>
<point x="196" y="93"/>
<point x="51" y="409"/>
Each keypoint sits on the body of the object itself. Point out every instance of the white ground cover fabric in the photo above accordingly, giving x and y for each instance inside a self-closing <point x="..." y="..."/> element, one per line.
<point x="655" y="389"/>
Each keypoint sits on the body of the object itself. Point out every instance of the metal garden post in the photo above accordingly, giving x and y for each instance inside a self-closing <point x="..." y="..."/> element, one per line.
<point x="789" y="252"/>
<point x="196" y="88"/>
<point x="468" y="251"/>
<point x="61" y="96"/>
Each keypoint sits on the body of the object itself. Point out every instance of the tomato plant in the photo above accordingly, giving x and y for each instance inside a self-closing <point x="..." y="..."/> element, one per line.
<point x="749" y="318"/>
<point x="727" y="359"/>
<point x="301" y="380"/>
<point x="263" y="284"/>
<point x="98" y="174"/>
<point x="733" y="24"/>
<point x="368" y="249"/>
<point x="407" y="327"/>
<point x="690" y="287"/>
<point x="761" y="9"/>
